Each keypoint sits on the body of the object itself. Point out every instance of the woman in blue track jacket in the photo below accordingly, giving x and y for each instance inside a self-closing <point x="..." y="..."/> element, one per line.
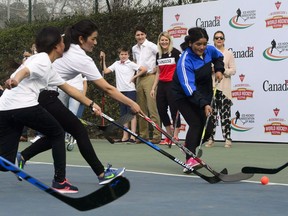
<point x="192" y="85"/>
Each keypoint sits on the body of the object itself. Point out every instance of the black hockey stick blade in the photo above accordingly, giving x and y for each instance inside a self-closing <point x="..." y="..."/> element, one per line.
<point x="109" y="130"/>
<point x="263" y="170"/>
<point x="212" y="179"/>
<point x="235" y="177"/>
<point x="199" y="153"/>
<point x="106" y="194"/>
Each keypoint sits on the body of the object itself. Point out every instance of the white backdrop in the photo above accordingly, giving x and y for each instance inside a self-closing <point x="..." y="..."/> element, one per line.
<point x="260" y="85"/>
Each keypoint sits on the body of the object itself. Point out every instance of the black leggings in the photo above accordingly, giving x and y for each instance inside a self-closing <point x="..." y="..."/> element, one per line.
<point x="37" y="118"/>
<point x="195" y="118"/>
<point x="71" y="124"/>
<point x="164" y="100"/>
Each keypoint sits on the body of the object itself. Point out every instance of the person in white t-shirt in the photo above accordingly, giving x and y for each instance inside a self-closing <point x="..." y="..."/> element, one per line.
<point x="125" y="72"/>
<point x="19" y="106"/>
<point x="79" y="39"/>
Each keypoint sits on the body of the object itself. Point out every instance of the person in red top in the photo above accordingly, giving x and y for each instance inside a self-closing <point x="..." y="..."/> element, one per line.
<point x="166" y="60"/>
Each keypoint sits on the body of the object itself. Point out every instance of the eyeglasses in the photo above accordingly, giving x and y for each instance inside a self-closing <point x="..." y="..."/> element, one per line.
<point x="217" y="38"/>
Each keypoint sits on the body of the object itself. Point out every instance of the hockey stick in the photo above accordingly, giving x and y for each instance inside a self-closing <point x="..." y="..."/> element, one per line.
<point x="100" y="129"/>
<point x="103" y="95"/>
<point x="174" y="128"/>
<point x="226" y="178"/>
<point x="108" y="130"/>
<point x="212" y="180"/>
<point x="200" y="151"/>
<point x="106" y="194"/>
<point x="263" y="170"/>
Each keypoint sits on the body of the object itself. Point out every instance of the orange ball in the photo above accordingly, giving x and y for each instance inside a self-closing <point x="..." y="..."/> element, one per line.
<point x="264" y="180"/>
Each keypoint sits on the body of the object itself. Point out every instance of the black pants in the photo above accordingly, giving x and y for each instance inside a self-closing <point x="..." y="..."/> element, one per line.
<point x="12" y="123"/>
<point x="195" y="118"/>
<point x="164" y="100"/>
<point x="71" y="124"/>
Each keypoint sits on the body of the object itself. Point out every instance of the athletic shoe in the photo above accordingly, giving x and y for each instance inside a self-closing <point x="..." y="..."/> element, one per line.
<point x="23" y="139"/>
<point x="164" y="142"/>
<point x="155" y="141"/>
<point x="192" y="163"/>
<point x="20" y="163"/>
<point x="210" y="143"/>
<point x="228" y="143"/>
<point x="64" y="187"/>
<point x="35" y="139"/>
<point x="110" y="174"/>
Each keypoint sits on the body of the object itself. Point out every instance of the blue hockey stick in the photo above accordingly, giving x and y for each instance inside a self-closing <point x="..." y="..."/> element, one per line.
<point x="106" y="194"/>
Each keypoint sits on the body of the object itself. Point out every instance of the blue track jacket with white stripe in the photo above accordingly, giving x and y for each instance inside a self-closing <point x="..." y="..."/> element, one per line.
<point x="193" y="76"/>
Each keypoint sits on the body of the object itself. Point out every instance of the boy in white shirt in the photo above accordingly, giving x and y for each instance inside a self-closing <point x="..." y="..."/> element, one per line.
<point x="125" y="72"/>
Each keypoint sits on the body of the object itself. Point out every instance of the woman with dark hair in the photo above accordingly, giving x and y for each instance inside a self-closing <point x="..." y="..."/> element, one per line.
<point x="79" y="39"/>
<point x="192" y="87"/>
<point x="19" y="106"/>
<point x="223" y="97"/>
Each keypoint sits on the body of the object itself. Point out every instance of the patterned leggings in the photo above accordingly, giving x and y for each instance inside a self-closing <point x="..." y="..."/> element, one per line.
<point x="222" y="105"/>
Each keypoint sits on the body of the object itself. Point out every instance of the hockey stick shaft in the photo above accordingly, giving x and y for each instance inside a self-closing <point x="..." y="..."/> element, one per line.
<point x="223" y="177"/>
<point x="263" y="170"/>
<point x="108" y="193"/>
<point x="211" y="180"/>
<point x="174" y="127"/>
<point x="200" y="151"/>
<point x="103" y="95"/>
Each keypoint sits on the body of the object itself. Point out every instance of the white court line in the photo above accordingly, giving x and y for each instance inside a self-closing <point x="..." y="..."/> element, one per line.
<point x="156" y="173"/>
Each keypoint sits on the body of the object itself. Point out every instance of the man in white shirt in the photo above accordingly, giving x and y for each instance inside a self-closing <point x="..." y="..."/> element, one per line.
<point x="144" y="53"/>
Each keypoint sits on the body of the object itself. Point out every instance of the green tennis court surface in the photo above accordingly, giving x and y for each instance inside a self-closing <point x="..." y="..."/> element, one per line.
<point x="157" y="183"/>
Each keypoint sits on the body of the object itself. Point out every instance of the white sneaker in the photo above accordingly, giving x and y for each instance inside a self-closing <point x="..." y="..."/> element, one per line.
<point x="210" y="143"/>
<point x="228" y="143"/>
<point x="35" y="139"/>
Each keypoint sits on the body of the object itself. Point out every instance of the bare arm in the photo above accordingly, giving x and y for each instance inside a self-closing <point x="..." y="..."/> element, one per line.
<point x="105" y="69"/>
<point x="142" y="70"/>
<point x="19" y="76"/>
<point x="85" y="87"/>
<point x="117" y="95"/>
<point x="156" y="80"/>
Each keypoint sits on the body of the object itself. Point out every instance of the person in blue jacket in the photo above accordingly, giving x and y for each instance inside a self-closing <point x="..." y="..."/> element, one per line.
<point x="192" y="86"/>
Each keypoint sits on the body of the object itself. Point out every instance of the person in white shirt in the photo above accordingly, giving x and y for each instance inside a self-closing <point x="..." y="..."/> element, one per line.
<point x="19" y="106"/>
<point x="79" y="39"/>
<point x="125" y="77"/>
<point x="144" y="53"/>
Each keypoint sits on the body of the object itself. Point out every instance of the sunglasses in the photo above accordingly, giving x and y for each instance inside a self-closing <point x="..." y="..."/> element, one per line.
<point x="217" y="38"/>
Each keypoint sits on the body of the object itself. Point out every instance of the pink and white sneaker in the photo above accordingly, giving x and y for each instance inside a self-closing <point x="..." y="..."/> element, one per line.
<point x="193" y="163"/>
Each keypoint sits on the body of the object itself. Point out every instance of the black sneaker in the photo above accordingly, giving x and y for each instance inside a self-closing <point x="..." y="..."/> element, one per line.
<point x="64" y="187"/>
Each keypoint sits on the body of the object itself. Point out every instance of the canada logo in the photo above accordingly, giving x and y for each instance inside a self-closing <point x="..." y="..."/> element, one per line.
<point x="239" y="20"/>
<point x="242" y="92"/>
<point x="275" y="125"/>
